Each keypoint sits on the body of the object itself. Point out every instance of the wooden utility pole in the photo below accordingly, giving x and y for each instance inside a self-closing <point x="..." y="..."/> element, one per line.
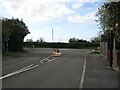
<point x="52" y="34"/>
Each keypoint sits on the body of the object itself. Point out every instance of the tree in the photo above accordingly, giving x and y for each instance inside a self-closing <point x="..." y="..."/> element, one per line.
<point x="41" y="40"/>
<point x="73" y="40"/>
<point x="81" y="40"/>
<point x="29" y="40"/>
<point x="108" y="18"/>
<point x="16" y="30"/>
<point x="95" y="40"/>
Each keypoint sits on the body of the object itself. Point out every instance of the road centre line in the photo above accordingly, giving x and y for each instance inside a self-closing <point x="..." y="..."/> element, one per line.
<point x="27" y="69"/>
<point x="24" y="67"/>
<point x="83" y="74"/>
<point x="16" y="71"/>
<point x="19" y="71"/>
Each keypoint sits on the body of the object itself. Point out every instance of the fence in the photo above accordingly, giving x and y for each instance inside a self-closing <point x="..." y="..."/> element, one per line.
<point x="105" y="52"/>
<point x="104" y="49"/>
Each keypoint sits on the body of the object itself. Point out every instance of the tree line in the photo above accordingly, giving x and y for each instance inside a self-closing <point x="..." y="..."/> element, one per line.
<point x="73" y="43"/>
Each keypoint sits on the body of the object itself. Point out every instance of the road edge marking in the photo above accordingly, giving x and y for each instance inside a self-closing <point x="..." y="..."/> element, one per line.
<point x="83" y="74"/>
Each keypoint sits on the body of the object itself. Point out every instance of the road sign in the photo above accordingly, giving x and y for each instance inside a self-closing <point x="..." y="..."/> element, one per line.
<point x="7" y="38"/>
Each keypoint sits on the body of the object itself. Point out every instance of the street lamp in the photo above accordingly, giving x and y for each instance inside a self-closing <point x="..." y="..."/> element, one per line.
<point x="116" y="25"/>
<point x="111" y="44"/>
<point x="111" y="47"/>
<point x="101" y="49"/>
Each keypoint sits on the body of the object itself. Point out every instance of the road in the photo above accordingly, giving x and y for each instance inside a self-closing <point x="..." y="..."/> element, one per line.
<point x="36" y="70"/>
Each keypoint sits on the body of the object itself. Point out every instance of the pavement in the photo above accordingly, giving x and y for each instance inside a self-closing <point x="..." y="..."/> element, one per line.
<point x="99" y="74"/>
<point x="76" y="68"/>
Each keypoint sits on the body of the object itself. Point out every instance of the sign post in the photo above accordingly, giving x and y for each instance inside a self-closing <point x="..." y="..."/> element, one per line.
<point x="7" y="40"/>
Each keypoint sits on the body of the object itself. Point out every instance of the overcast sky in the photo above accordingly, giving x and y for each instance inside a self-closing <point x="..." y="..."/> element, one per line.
<point x="68" y="18"/>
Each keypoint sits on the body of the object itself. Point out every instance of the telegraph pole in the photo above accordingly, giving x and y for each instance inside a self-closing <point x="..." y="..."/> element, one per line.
<point x="60" y="40"/>
<point x="52" y="34"/>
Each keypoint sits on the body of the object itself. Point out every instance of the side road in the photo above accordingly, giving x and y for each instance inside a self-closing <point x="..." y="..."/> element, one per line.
<point x="98" y="74"/>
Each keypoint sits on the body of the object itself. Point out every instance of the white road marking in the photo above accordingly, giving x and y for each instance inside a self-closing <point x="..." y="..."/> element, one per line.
<point x="19" y="71"/>
<point x="24" y="67"/>
<point x="15" y="71"/>
<point x="48" y="60"/>
<point x="83" y="74"/>
<point x="27" y="69"/>
<point x="52" y="59"/>
<point x="41" y="61"/>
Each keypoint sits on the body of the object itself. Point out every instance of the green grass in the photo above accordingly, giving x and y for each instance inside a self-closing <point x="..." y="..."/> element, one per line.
<point x="11" y="53"/>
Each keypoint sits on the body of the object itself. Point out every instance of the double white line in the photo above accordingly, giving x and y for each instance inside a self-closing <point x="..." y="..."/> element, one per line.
<point x="19" y="71"/>
<point x="31" y="66"/>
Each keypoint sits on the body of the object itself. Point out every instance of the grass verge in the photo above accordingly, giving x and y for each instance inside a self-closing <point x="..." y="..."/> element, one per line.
<point x="12" y="53"/>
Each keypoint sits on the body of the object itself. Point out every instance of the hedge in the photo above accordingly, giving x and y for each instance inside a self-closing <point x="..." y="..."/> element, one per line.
<point x="60" y="45"/>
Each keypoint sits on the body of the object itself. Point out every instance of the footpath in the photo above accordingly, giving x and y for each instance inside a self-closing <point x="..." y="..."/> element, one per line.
<point x="98" y="74"/>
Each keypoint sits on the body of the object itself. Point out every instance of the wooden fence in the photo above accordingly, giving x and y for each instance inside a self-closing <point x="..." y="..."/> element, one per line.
<point x="105" y="52"/>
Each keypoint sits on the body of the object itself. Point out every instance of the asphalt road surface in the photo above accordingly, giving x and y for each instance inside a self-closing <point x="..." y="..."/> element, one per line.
<point x="36" y="69"/>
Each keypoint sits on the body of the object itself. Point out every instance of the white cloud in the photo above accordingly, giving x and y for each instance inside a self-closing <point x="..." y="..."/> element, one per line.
<point x="82" y="19"/>
<point x="42" y="10"/>
<point x="90" y="0"/>
<point x="37" y="10"/>
<point x="77" y="5"/>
